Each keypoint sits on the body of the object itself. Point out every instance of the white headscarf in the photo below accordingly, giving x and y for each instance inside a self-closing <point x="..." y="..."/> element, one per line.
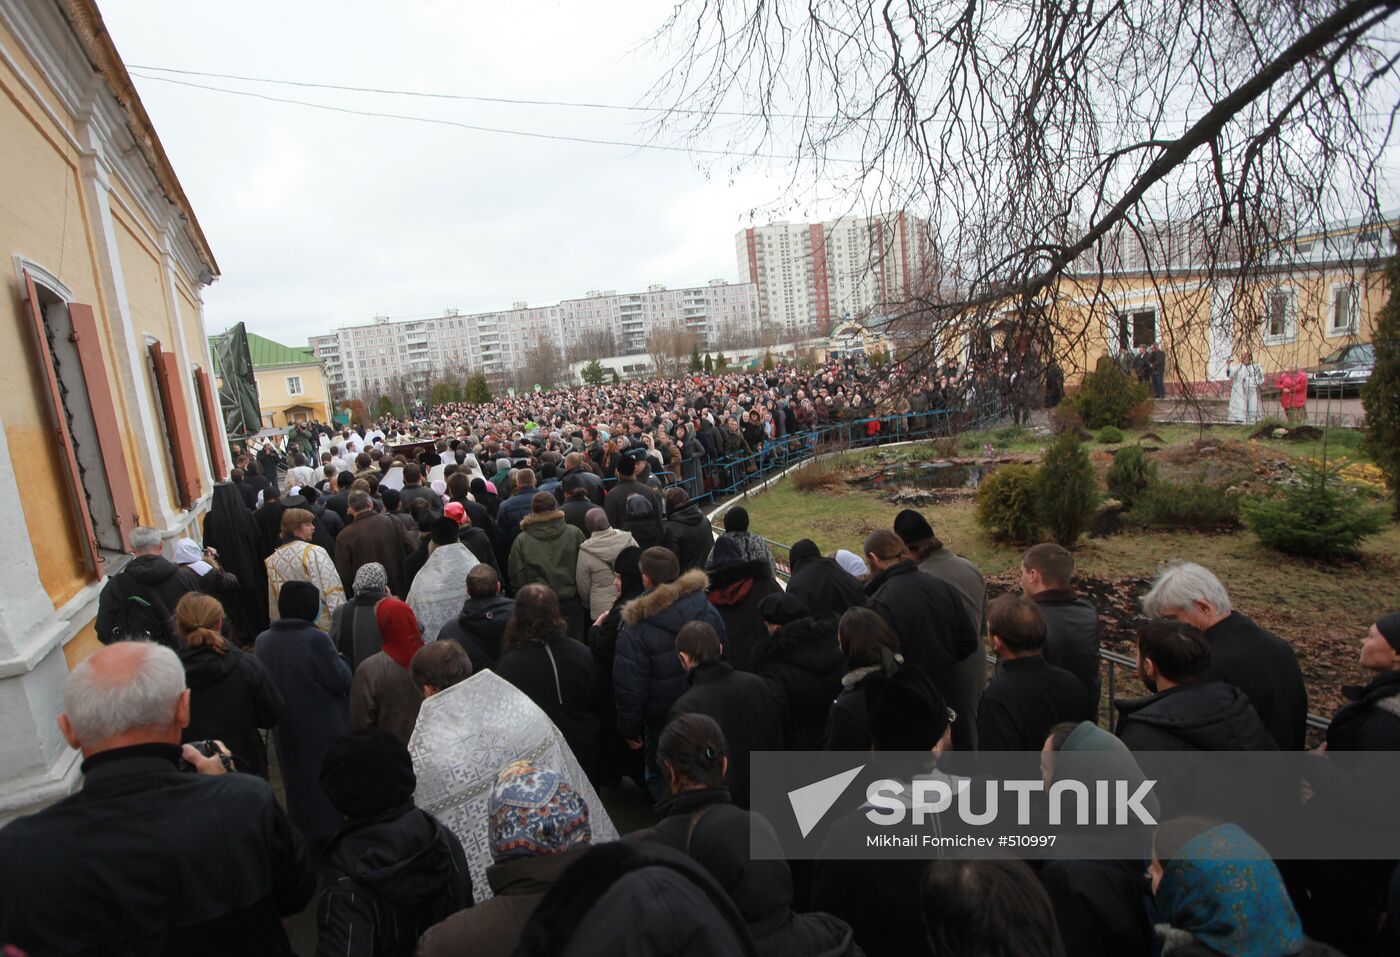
<point x="189" y="553"/>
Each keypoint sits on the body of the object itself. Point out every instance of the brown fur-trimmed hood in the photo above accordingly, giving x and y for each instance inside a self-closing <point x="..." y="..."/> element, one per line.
<point x="534" y="518"/>
<point x="661" y="597"/>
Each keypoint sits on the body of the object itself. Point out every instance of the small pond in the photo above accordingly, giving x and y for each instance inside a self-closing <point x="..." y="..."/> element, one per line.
<point x="930" y="475"/>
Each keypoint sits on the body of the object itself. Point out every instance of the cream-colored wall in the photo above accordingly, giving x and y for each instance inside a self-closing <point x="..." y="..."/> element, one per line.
<point x="1186" y="308"/>
<point x="273" y="397"/>
<point x="45" y="218"/>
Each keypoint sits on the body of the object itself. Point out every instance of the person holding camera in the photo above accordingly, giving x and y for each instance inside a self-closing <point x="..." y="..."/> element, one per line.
<point x="145" y="858"/>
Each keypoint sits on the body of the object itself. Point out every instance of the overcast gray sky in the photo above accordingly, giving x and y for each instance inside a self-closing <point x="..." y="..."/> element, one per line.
<point x="321" y="219"/>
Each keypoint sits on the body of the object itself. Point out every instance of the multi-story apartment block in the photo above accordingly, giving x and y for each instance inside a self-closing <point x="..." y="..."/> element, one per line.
<point x="810" y="275"/>
<point x="364" y="359"/>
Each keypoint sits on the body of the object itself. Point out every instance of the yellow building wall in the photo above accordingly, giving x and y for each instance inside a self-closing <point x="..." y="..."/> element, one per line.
<point x="45" y="217"/>
<point x="1183" y="314"/>
<point x="274" y="399"/>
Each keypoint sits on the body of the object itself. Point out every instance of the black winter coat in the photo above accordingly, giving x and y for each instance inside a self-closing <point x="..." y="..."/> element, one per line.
<point x="1370" y="720"/>
<point x="1100" y="907"/>
<point x="231" y="697"/>
<point x="848" y="722"/>
<point x="1264" y="667"/>
<point x="1072" y="639"/>
<point x="479" y="544"/>
<point x="315" y="683"/>
<point x="479" y="628"/>
<point x="647" y="674"/>
<point x="878" y="898"/>
<point x="1210" y="716"/>
<point x="825" y="587"/>
<point x="803" y="665"/>
<point x="735" y="591"/>
<point x="689" y="535"/>
<point x="716" y="834"/>
<point x="354" y="629"/>
<point x="934" y="630"/>
<point x="741" y="705"/>
<point x="213" y="861"/>
<point x="152" y="578"/>
<point x="562" y="678"/>
<point x="388" y="879"/>
<point x="1027" y="698"/>
<point x="575" y="513"/>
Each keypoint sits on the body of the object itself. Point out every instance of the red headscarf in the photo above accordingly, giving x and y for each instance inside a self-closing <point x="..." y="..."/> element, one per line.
<point x="400" y="630"/>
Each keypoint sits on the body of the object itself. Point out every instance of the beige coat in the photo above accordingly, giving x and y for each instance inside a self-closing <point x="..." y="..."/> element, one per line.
<point x="595" y="573"/>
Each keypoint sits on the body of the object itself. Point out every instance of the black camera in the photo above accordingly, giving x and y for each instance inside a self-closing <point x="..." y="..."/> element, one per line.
<point x="210" y="749"/>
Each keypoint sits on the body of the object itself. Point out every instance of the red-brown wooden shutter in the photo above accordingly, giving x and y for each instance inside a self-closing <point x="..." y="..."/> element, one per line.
<point x="48" y="381"/>
<point x="209" y="411"/>
<point x="104" y="417"/>
<point x="172" y="400"/>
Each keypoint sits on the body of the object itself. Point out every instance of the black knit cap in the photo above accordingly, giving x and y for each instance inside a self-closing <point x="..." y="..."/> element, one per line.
<point x="1389" y="627"/>
<point x="445" y="531"/>
<point x="367" y="772"/>
<point x="912" y="527"/>
<point x="780" y="608"/>
<point x="299" y="600"/>
<point x="803" y="549"/>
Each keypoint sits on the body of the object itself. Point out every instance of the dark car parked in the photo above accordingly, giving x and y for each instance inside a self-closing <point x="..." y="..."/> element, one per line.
<point x="1343" y="372"/>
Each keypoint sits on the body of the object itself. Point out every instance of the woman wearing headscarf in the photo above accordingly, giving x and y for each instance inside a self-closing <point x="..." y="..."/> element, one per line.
<point x="314" y="682"/>
<point x="1218" y="892"/>
<point x="213" y="581"/>
<point x="231" y="694"/>
<point x="1098" y="901"/>
<point x="539" y="825"/>
<point x="230" y="530"/>
<point x="383" y="693"/>
<point x="354" y="630"/>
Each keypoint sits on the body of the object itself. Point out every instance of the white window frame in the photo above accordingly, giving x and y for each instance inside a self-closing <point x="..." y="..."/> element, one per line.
<point x="1290" y="315"/>
<point x="299" y="390"/>
<point x="1127" y="312"/>
<point x="1334" y="331"/>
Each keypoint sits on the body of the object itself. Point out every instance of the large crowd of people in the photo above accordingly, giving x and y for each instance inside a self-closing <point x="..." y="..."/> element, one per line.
<point x="459" y="629"/>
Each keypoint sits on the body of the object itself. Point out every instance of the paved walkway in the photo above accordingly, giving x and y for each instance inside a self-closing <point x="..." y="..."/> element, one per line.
<point x="1345" y="412"/>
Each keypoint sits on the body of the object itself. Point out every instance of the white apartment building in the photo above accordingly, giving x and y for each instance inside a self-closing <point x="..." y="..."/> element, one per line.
<point x="810" y="275"/>
<point x="362" y="360"/>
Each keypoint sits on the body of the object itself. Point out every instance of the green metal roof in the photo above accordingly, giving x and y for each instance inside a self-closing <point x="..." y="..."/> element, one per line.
<point x="267" y="354"/>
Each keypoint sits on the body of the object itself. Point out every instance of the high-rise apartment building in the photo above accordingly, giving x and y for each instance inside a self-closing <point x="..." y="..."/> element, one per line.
<point x="363" y="360"/>
<point x="809" y="275"/>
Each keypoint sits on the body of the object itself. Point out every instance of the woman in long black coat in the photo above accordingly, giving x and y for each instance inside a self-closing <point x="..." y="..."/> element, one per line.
<point x="556" y="672"/>
<point x="315" y="683"/>
<point x="871" y="651"/>
<point x="231" y="694"/>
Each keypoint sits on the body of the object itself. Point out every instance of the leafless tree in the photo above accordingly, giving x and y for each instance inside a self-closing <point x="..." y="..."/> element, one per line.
<point x="1051" y="146"/>
<point x="592" y="344"/>
<point x="669" y="347"/>
<point x="543" y="365"/>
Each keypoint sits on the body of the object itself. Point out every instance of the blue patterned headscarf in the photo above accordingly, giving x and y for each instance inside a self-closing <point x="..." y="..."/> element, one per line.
<point x="1224" y="890"/>
<point x="533" y="812"/>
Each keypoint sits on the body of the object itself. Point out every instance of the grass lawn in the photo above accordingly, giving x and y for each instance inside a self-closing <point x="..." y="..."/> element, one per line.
<point x="1324" y="609"/>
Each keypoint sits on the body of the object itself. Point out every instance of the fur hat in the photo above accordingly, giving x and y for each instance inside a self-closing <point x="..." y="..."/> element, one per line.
<point x="299" y="600"/>
<point x="906" y="712"/>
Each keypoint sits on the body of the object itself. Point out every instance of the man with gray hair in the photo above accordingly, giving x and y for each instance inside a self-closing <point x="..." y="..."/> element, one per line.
<point x="1253" y="659"/>
<point x="148" y="858"/>
<point x="137" y="603"/>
